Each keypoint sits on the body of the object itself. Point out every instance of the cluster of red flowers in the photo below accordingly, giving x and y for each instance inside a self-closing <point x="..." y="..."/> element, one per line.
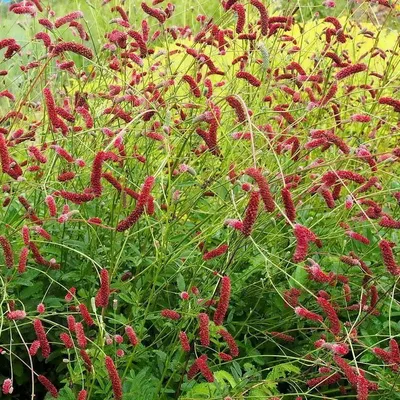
<point x="164" y="106"/>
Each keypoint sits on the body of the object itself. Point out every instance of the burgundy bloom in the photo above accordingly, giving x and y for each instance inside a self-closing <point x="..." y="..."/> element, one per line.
<point x="114" y="377"/>
<point x="223" y="303"/>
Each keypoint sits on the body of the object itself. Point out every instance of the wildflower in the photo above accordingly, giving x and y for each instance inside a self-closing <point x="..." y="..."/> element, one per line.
<point x="193" y="85"/>
<point x="70" y="295"/>
<point x="282" y="336"/>
<point x="204" y="369"/>
<point x="16" y="315"/>
<point x="8" y="253"/>
<point x="388" y="222"/>
<point x="350" y="70"/>
<point x="114" y="377"/>
<point x="80" y="335"/>
<point x="171" y="314"/>
<point x="34" y="347"/>
<point x="40" y="308"/>
<point x="71" y="323"/>
<point x="251" y="213"/>
<point x="329" y="4"/>
<point x="66" y="339"/>
<point x="218" y="251"/>
<point x="41" y="336"/>
<point x="156" y="13"/>
<point x="95" y="177"/>
<point x="139" y="209"/>
<point x="4" y="155"/>
<point x="48" y="385"/>
<point x="388" y="258"/>
<point x="223" y="304"/>
<point x="324" y="380"/>
<point x="347" y="369"/>
<point x="303" y="237"/>
<point x="225" y="357"/>
<point x="204" y="329"/>
<point x="390" y="102"/>
<point x="82" y="395"/>
<point x="86" y="315"/>
<point x="184" y="341"/>
<point x="76" y="48"/>
<point x="103" y="294"/>
<point x="316" y="274"/>
<point x="263" y="187"/>
<point x="263" y="15"/>
<point x="331" y="314"/>
<point x="23" y="258"/>
<point x="238" y="107"/>
<point x="230" y="341"/>
<point x="68" y="18"/>
<point x="304" y="313"/>
<point x="241" y="17"/>
<point x="86" y="359"/>
<point x="290" y="209"/>
<point x="249" y="78"/>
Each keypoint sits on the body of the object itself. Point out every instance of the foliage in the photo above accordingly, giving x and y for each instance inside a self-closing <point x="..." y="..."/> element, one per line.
<point x="237" y="185"/>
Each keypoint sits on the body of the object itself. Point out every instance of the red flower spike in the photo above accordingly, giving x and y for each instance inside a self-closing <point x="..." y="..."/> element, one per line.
<point x="282" y="336"/>
<point x="131" y="335"/>
<point x="388" y="222"/>
<point x="170" y="314"/>
<point x="223" y="304"/>
<point x="204" y="369"/>
<point x="331" y="314"/>
<point x="388" y="257"/>
<point x="71" y="323"/>
<point x="230" y="341"/>
<point x="74" y="47"/>
<point x="204" y="332"/>
<point x="347" y="369"/>
<point x="304" y="313"/>
<point x="139" y="209"/>
<point x="183" y="338"/>
<point x="249" y="78"/>
<point x="251" y="213"/>
<point x="86" y="359"/>
<point x="263" y="187"/>
<point x="34" y="347"/>
<point x="390" y="102"/>
<point x="290" y="209"/>
<point x="324" y="380"/>
<point x="357" y="236"/>
<point x="66" y="339"/>
<point x="156" y="13"/>
<point x="86" y="315"/>
<point x="193" y="85"/>
<point x="241" y="17"/>
<point x="80" y="335"/>
<point x="41" y="336"/>
<point x="238" y="107"/>
<point x="48" y="385"/>
<point x="350" y="70"/>
<point x="114" y="378"/>
<point x="82" y="395"/>
<point x="218" y="251"/>
<point x="97" y="165"/>
<point x="225" y="357"/>
<point x="263" y="15"/>
<point x="68" y="18"/>
<point x="103" y="294"/>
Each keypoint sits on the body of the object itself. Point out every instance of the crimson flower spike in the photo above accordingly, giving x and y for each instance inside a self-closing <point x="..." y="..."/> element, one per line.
<point x="223" y="304"/>
<point x="263" y="186"/>
<point x="139" y="209"/>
